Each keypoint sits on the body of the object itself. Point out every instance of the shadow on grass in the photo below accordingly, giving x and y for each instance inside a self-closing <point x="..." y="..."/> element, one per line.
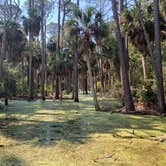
<point x="9" y="160"/>
<point x="73" y="126"/>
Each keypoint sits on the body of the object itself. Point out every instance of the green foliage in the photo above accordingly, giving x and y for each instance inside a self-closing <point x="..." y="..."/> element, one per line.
<point x="147" y="94"/>
<point x="22" y="89"/>
<point x="7" y="85"/>
<point x="15" y="41"/>
<point x="32" y="24"/>
<point x="51" y="45"/>
<point x="117" y="84"/>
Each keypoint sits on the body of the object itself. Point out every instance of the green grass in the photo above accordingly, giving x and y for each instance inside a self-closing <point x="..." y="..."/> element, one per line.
<point x="54" y="133"/>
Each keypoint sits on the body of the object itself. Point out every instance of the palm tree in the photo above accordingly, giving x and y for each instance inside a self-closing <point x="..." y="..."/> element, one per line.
<point x="32" y="29"/>
<point x="158" y="59"/>
<point x="91" y="28"/>
<point x="136" y="28"/>
<point x="73" y="41"/>
<point x="83" y="26"/>
<point x="51" y="46"/>
<point x="125" y="79"/>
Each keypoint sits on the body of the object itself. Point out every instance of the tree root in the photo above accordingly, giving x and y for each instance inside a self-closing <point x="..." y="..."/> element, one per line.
<point x="160" y="139"/>
<point x="106" y="157"/>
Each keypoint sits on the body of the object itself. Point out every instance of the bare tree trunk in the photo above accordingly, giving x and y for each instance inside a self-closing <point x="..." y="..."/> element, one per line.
<point x="144" y="66"/>
<point x="1" y="63"/>
<point x="95" y="102"/>
<point x="2" y="55"/>
<point x="60" y="86"/>
<point x="63" y="23"/>
<point x="10" y="11"/>
<point x="31" y="6"/>
<point x="6" y="101"/>
<point x="121" y="5"/>
<point x="58" y="46"/>
<point x="45" y="55"/>
<point x="125" y="78"/>
<point x="158" y="59"/>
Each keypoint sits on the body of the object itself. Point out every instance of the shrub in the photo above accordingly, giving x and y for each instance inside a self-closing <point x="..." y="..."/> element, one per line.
<point x="146" y="94"/>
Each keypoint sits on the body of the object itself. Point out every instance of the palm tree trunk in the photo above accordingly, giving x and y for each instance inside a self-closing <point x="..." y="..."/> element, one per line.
<point x="57" y="87"/>
<point x="53" y="78"/>
<point x="1" y="63"/>
<point x="86" y="84"/>
<point x="63" y="23"/>
<point x="101" y="77"/>
<point x="31" y="5"/>
<point x="43" y="52"/>
<point x="95" y="102"/>
<point x="76" y="98"/>
<point x="30" y="75"/>
<point x="126" y="47"/>
<point x="60" y="86"/>
<point x="158" y="60"/>
<point x="68" y="83"/>
<point x="22" y="70"/>
<point x="125" y="78"/>
<point x="72" y="85"/>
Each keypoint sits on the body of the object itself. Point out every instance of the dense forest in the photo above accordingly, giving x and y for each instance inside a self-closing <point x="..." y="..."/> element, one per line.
<point x="95" y="49"/>
<point x="107" y="53"/>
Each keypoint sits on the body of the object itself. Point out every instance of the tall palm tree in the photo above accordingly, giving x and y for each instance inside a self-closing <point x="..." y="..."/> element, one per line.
<point x="125" y="79"/>
<point x="32" y="29"/>
<point x="51" y="46"/>
<point x="90" y="26"/>
<point x="158" y="59"/>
